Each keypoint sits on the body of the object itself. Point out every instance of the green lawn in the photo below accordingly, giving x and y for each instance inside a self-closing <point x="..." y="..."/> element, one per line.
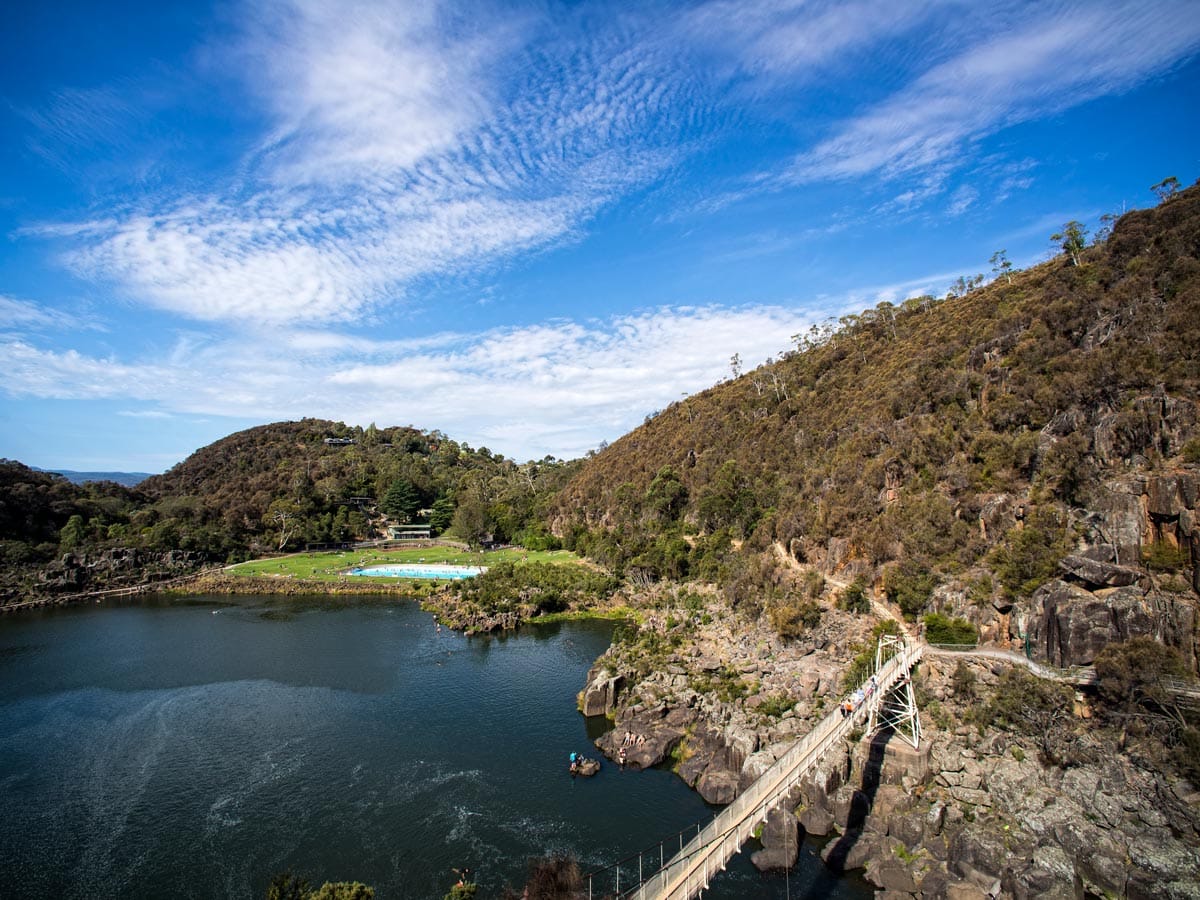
<point x="331" y="566"/>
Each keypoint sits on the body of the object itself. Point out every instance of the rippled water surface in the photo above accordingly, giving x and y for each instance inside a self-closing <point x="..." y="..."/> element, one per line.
<point x="194" y="748"/>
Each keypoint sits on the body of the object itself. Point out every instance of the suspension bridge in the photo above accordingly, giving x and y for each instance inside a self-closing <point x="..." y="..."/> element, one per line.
<point x="887" y="700"/>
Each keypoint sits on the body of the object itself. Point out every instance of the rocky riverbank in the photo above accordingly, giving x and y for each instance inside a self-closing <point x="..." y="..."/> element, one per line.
<point x="976" y="812"/>
<point x="74" y="577"/>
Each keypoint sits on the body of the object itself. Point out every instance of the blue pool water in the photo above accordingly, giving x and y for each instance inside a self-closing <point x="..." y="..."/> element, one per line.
<point x="453" y="573"/>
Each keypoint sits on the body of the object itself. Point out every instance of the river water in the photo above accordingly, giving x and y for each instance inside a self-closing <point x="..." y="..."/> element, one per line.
<point x="193" y="748"/>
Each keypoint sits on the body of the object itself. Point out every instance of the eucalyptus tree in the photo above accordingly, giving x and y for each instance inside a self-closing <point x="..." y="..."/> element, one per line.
<point x="1072" y="239"/>
<point x="1001" y="265"/>
<point x="1166" y="189"/>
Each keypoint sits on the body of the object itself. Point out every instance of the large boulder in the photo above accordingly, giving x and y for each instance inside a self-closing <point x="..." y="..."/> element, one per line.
<point x="699" y="751"/>
<point x="817" y="820"/>
<point x="1097" y="574"/>
<point x="718" y="786"/>
<point x="1069" y="626"/>
<point x="893" y="875"/>
<point x="1074" y="624"/>
<point x="755" y="765"/>
<point x="586" y="767"/>
<point x="980" y="856"/>
<point x="780" y="839"/>
<point x="600" y="695"/>
<point x="854" y="849"/>
<point x="850" y="807"/>
<point x="653" y="739"/>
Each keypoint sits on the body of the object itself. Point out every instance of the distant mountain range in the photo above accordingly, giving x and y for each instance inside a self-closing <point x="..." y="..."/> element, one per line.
<point x="128" y="479"/>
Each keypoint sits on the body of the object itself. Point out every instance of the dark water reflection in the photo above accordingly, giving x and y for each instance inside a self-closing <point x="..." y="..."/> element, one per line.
<point x="192" y="748"/>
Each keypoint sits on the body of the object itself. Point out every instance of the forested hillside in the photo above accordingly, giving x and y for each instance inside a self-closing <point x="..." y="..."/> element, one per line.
<point x="317" y="481"/>
<point x="267" y="489"/>
<point x="956" y="453"/>
<point x="955" y="450"/>
<point x="36" y="507"/>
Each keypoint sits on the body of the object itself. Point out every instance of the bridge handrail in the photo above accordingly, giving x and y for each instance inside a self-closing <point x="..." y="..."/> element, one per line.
<point x="959" y="647"/>
<point x="694" y="827"/>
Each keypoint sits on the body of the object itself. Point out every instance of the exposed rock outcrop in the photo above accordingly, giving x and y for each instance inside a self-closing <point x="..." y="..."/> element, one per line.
<point x="1068" y="625"/>
<point x="117" y="567"/>
<point x="780" y="837"/>
<point x="586" y="767"/>
<point x="1095" y="573"/>
<point x="600" y="695"/>
<point x="1142" y="510"/>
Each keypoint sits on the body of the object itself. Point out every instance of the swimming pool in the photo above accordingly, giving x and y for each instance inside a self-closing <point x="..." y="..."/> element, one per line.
<point x="415" y="570"/>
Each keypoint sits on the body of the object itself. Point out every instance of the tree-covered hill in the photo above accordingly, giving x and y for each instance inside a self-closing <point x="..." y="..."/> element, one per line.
<point x="316" y="481"/>
<point x="967" y="443"/>
<point x="268" y="489"/>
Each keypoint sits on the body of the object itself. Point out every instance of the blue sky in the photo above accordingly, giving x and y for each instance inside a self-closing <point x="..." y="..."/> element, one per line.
<point x="526" y="224"/>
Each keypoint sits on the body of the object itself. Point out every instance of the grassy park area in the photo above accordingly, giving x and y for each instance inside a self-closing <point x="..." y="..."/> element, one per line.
<point x="333" y="565"/>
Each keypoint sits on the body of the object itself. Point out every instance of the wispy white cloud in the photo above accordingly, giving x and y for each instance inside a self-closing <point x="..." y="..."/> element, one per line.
<point x="144" y="414"/>
<point x="23" y="315"/>
<point x="963" y="198"/>
<point x="70" y="375"/>
<point x="358" y="89"/>
<point x="800" y="38"/>
<point x="74" y="121"/>
<point x="557" y="387"/>
<point x="402" y="142"/>
<point x="1064" y="54"/>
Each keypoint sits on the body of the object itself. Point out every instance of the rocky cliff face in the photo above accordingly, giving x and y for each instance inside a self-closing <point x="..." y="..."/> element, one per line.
<point x="1105" y="591"/>
<point x="1133" y="568"/>
<point x="76" y="573"/>
<point x="724" y="703"/>
<point x="987" y="818"/>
